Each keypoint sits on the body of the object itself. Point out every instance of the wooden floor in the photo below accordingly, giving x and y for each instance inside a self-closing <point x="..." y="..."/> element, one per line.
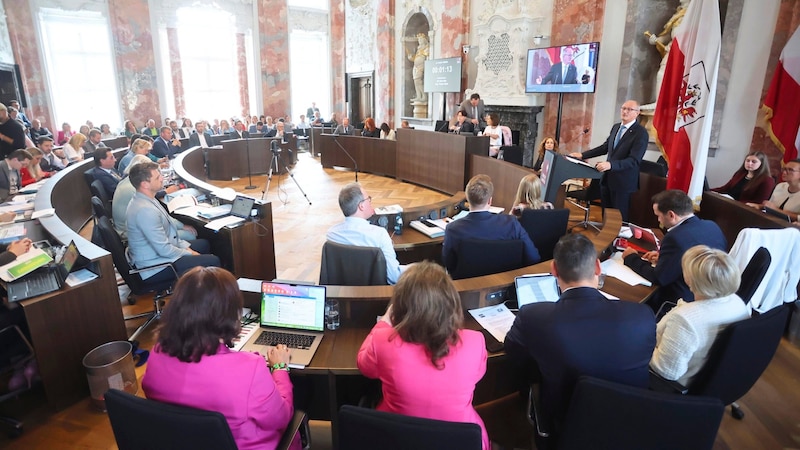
<point x="772" y="407"/>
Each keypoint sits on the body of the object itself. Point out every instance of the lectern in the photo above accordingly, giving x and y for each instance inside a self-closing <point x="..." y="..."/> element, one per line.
<point x="557" y="168"/>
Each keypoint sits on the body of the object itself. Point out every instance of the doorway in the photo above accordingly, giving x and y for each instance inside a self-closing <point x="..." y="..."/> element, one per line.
<point x="360" y="96"/>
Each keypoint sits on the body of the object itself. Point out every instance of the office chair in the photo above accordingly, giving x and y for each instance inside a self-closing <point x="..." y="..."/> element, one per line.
<point x="584" y="199"/>
<point x="351" y="265"/>
<point x="738" y="357"/>
<point x="511" y="153"/>
<point x="606" y="415"/>
<point x="132" y="276"/>
<point x="367" y="429"/>
<point x="545" y="227"/>
<point x="139" y="423"/>
<point x="99" y="191"/>
<point x="753" y="273"/>
<point x="478" y="257"/>
<point x="17" y="356"/>
<point x="88" y="175"/>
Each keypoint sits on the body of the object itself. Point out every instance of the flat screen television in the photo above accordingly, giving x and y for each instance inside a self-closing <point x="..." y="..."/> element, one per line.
<point x="566" y="68"/>
<point x="442" y="75"/>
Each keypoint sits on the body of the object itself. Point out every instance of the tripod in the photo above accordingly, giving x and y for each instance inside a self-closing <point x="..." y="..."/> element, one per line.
<point x="275" y="163"/>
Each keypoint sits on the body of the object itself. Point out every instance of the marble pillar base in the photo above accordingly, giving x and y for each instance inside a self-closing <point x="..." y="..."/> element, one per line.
<point x="420" y="109"/>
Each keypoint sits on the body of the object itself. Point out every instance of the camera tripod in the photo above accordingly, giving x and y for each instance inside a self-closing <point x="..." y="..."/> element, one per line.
<point x="275" y="163"/>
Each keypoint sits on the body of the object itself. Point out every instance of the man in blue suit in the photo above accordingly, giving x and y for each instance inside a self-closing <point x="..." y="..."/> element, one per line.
<point x="482" y="224"/>
<point x="165" y="145"/>
<point x="675" y="213"/>
<point x="104" y="170"/>
<point x="583" y="333"/>
<point x="625" y="148"/>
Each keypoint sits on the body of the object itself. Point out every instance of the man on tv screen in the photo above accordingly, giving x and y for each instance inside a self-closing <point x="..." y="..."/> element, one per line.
<point x="563" y="72"/>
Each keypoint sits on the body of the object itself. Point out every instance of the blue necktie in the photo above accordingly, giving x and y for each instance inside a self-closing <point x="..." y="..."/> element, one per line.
<point x="619" y="135"/>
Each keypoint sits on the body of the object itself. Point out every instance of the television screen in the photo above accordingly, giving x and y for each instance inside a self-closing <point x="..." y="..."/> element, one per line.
<point x="568" y="68"/>
<point x="443" y="75"/>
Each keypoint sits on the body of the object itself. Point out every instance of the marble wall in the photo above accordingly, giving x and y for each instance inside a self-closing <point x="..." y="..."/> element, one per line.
<point x="273" y="38"/>
<point x="384" y="81"/>
<point x="6" y="53"/>
<point x="177" y="72"/>
<point x="338" y="61"/>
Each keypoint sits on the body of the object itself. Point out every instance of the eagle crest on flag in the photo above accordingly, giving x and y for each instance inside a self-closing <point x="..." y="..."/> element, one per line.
<point x="694" y="87"/>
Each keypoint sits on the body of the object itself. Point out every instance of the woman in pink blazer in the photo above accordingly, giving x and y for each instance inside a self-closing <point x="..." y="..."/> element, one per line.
<point x="191" y="364"/>
<point x="428" y="365"/>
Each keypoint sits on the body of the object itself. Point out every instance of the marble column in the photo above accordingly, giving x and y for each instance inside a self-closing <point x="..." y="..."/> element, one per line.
<point x="384" y="68"/>
<point x="177" y="73"/>
<point x="338" y="62"/>
<point x="135" y="59"/>
<point x="455" y="31"/>
<point x="241" y="62"/>
<point x="273" y="38"/>
<point x="26" y="54"/>
<point x="573" y="22"/>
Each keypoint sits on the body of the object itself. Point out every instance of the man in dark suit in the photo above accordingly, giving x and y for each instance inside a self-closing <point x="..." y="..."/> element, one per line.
<point x="200" y="137"/>
<point x="52" y="160"/>
<point x="165" y="145"/>
<point x="344" y="129"/>
<point x="104" y="170"/>
<point x="482" y="224"/>
<point x="462" y="125"/>
<point x="475" y="111"/>
<point x="675" y="213"/>
<point x="93" y="142"/>
<point x="239" y="132"/>
<point x="12" y="133"/>
<point x="277" y="132"/>
<point x="563" y="72"/>
<point x="10" y="178"/>
<point x="312" y="110"/>
<point x="583" y="333"/>
<point x="625" y="148"/>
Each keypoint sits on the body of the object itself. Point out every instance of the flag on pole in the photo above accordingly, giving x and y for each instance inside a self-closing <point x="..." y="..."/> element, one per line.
<point x="780" y="104"/>
<point x="685" y="104"/>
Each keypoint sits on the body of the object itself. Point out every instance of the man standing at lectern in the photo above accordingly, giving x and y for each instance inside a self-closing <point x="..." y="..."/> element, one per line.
<point x="625" y="148"/>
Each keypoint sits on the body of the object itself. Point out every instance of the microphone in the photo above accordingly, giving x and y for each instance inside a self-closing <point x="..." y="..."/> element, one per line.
<point x="348" y="155"/>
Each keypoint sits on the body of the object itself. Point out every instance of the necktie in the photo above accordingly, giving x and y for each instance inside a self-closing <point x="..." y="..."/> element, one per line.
<point x="474" y="112"/>
<point x="619" y="135"/>
<point x="564" y="75"/>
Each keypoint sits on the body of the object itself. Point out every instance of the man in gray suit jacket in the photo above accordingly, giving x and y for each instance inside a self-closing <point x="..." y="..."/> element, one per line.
<point x="476" y="111"/>
<point x="345" y="128"/>
<point x="153" y="237"/>
<point x="10" y="178"/>
<point x="93" y="142"/>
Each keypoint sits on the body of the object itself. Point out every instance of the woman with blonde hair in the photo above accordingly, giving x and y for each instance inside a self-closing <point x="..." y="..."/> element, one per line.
<point x="74" y="148"/>
<point x="427" y="362"/>
<point x="33" y="172"/>
<point x="529" y="195"/>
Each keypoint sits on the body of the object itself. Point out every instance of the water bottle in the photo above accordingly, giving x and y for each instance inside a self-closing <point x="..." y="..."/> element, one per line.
<point x="332" y="315"/>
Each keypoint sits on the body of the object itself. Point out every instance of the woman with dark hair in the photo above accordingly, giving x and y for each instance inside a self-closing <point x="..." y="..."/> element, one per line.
<point x="427" y="363"/>
<point x="753" y="181"/>
<point x="387" y="133"/>
<point x="370" y="130"/>
<point x="105" y="132"/>
<point x="191" y="364"/>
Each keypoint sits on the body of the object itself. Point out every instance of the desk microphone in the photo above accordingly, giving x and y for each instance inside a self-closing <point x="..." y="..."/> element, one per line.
<point x="348" y="155"/>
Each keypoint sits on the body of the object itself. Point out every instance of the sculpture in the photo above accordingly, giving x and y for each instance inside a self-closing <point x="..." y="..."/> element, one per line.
<point x="663" y="42"/>
<point x="418" y="71"/>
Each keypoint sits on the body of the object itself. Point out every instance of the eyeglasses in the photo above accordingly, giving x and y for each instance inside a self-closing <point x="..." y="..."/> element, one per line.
<point x="786" y="169"/>
<point x="368" y="199"/>
<point x="626" y="109"/>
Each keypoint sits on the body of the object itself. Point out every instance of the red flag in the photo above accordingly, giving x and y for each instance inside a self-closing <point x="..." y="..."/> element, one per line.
<point x="685" y="104"/>
<point x="780" y="104"/>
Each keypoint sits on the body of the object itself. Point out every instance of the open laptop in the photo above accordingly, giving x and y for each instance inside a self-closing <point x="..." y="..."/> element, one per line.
<point x="46" y="279"/>
<point x="536" y="288"/>
<point x="239" y="212"/>
<point x="291" y="314"/>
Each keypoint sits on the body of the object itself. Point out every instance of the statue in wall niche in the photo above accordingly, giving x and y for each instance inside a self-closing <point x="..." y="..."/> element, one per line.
<point x="418" y="71"/>
<point x="663" y="42"/>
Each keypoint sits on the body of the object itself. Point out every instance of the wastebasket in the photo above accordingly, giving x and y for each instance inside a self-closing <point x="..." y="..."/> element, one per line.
<point x="110" y="366"/>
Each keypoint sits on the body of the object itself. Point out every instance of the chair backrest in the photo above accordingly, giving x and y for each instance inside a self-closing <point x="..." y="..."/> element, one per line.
<point x="478" y="257"/>
<point x="545" y="227"/>
<point x="740" y="354"/>
<point x="351" y="265"/>
<point x="362" y="429"/>
<point x="99" y="191"/>
<point x="753" y="273"/>
<point x="512" y="154"/>
<point x="88" y="175"/>
<point x="515" y="137"/>
<point x="139" y="423"/>
<point x="606" y="415"/>
<point x="98" y="208"/>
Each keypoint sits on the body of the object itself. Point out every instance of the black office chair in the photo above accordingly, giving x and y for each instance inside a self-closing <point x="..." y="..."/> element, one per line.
<point x="512" y="154"/>
<point x="545" y="227"/>
<point x="368" y="429"/>
<point x="351" y="265"/>
<point x="753" y="273"/>
<point x="607" y="415"/>
<point x="132" y="276"/>
<point x="99" y="191"/>
<point x="88" y="175"/>
<point x="738" y="357"/>
<point x="478" y="257"/>
<point x="139" y="423"/>
<point x="584" y="198"/>
<point x="17" y="356"/>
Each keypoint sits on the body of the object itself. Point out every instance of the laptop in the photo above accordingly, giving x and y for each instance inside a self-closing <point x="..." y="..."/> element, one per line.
<point x="536" y="288"/>
<point x="239" y="212"/>
<point x="291" y="314"/>
<point x="776" y="213"/>
<point x="45" y="280"/>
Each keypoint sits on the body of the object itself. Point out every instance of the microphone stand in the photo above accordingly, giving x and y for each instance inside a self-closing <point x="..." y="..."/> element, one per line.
<point x="249" y="169"/>
<point x="348" y="155"/>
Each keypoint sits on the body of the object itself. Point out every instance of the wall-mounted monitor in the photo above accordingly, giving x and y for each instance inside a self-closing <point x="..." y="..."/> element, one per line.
<point x="443" y="75"/>
<point x="566" y="68"/>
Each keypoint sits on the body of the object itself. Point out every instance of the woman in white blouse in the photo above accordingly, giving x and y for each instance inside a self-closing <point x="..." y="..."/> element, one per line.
<point x="684" y="336"/>
<point x="74" y="148"/>
<point x="495" y="133"/>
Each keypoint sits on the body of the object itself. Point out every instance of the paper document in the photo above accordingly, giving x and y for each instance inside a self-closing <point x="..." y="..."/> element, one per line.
<point x="80" y="277"/>
<point x="43" y="213"/>
<point x="24" y="264"/>
<point x="249" y="285"/>
<point x="578" y="161"/>
<point x="496" y="210"/>
<point x="615" y="267"/>
<point x="228" y="221"/>
<point x="225" y="194"/>
<point x="390" y="209"/>
<point x="497" y="320"/>
<point x="181" y="201"/>
<point x="11" y="233"/>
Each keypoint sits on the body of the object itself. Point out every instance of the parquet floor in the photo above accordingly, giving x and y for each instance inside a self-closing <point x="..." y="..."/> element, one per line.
<point x="772" y="407"/>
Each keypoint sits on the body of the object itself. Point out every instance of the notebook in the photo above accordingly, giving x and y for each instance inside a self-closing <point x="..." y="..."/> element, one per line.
<point x="536" y="288"/>
<point x="46" y="279"/>
<point x="290" y="311"/>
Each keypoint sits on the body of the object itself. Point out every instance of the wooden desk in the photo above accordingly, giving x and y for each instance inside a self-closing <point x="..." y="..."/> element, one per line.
<point x="370" y="154"/>
<point x="232" y="159"/>
<point x="732" y="216"/>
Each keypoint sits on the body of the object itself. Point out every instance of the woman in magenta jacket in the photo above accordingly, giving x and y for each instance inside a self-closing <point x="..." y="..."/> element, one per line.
<point x="191" y="364"/>
<point x="428" y="365"/>
<point x="752" y="183"/>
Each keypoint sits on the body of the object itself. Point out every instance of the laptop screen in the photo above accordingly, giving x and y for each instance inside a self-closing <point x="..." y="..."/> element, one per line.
<point x="647" y="235"/>
<point x="70" y="256"/>
<point x="292" y="306"/>
<point x="242" y="206"/>
<point x="536" y="288"/>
